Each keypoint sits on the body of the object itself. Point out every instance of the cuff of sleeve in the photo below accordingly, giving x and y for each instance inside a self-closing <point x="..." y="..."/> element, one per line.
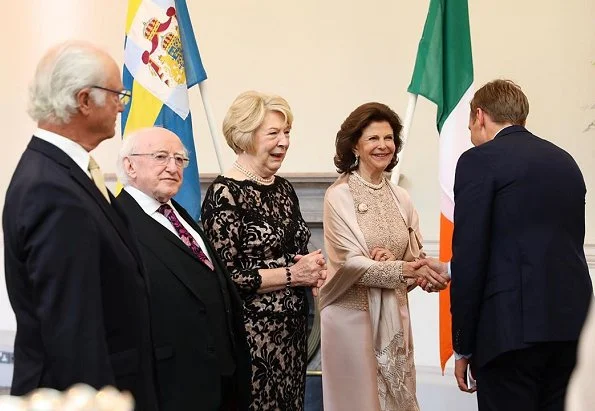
<point x="461" y="356"/>
<point x="247" y="281"/>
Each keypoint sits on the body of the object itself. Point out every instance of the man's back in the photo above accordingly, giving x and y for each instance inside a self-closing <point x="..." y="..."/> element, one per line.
<point x="74" y="282"/>
<point x="537" y="287"/>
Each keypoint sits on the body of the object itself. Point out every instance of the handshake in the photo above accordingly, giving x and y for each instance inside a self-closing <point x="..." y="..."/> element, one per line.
<point x="430" y="274"/>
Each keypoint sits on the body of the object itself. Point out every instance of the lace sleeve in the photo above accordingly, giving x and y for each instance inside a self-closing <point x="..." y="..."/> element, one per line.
<point x="222" y="223"/>
<point x="384" y="274"/>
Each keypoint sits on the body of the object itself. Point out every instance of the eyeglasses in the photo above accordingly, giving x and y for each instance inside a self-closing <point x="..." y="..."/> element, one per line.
<point x="124" y="95"/>
<point x="161" y="158"/>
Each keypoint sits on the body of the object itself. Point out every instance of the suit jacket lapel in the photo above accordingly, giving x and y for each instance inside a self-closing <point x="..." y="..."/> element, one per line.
<point x="87" y="184"/>
<point x="225" y="282"/>
<point x="155" y="237"/>
<point x="217" y="263"/>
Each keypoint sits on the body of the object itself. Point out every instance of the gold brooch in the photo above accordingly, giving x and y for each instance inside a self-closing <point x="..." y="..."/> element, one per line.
<point x="362" y="207"/>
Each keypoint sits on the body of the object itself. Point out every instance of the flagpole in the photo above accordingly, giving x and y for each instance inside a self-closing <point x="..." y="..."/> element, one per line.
<point x="204" y="94"/>
<point x="406" y="127"/>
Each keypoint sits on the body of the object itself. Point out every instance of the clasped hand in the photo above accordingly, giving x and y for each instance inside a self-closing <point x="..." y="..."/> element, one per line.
<point x="309" y="270"/>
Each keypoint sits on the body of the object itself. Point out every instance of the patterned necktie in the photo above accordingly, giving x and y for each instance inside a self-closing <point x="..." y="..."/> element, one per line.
<point x="185" y="236"/>
<point x="97" y="177"/>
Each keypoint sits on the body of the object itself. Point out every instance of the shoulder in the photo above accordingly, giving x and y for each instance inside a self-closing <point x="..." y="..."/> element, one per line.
<point x="399" y="191"/>
<point x="339" y="190"/>
<point x="38" y="186"/>
<point x="553" y="148"/>
<point x="283" y="183"/>
<point x="222" y="188"/>
<point x="47" y="202"/>
<point x="35" y="167"/>
<point x="222" y="182"/>
<point x="402" y="195"/>
<point x="128" y="205"/>
<point x="125" y="200"/>
<point x="136" y="217"/>
<point x="476" y="161"/>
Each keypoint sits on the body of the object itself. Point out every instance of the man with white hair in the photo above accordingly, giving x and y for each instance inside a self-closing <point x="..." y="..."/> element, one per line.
<point x="196" y="312"/>
<point x="73" y="272"/>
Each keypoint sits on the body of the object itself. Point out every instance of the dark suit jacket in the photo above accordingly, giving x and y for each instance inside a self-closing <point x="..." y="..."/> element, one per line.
<point x="187" y="368"/>
<point x="75" y="282"/>
<point x="519" y="274"/>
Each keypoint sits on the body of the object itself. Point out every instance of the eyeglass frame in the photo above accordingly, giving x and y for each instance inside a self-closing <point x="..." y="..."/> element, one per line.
<point x="124" y="96"/>
<point x="164" y="162"/>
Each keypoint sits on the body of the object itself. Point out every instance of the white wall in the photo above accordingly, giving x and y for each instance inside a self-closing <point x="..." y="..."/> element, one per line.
<point x="327" y="57"/>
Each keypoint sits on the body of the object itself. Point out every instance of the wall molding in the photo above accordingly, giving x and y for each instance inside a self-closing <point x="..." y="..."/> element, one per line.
<point x="310" y="188"/>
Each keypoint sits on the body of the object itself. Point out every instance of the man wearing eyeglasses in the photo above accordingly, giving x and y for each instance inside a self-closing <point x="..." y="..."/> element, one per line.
<point x="198" y="330"/>
<point x="73" y="272"/>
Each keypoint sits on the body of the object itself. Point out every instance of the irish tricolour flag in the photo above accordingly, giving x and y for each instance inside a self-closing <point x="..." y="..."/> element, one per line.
<point x="444" y="74"/>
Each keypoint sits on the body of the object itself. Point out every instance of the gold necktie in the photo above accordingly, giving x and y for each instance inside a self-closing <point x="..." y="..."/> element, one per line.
<point x="97" y="177"/>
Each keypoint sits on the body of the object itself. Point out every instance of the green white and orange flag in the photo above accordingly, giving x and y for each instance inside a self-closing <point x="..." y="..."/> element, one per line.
<point x="444" y="75"/>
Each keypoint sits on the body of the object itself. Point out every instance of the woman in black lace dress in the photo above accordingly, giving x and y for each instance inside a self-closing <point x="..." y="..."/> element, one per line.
<point x="253" y="219"/>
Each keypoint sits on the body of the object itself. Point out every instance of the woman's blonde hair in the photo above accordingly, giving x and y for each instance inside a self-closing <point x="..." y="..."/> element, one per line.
<point x="247" y="113"/>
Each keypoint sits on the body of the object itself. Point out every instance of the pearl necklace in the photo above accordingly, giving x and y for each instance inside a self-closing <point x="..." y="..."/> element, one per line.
<point x="368" y="184"/>
<point x="252" y="176"/>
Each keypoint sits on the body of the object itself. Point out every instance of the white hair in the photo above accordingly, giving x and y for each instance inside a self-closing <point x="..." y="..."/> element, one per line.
<point x="128" y="147"/>
<point x="61" y="74"/>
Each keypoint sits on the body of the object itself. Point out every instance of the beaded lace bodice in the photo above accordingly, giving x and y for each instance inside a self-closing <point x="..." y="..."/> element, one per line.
<point x="381" y="223"/>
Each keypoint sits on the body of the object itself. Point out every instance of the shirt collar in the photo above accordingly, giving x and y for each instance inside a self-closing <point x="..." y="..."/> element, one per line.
<point x="503" y="128"/>
<point x="72" y="149"/>
<point x="147" y="203"/>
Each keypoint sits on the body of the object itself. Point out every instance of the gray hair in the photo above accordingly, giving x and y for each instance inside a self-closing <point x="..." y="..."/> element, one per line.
<point x="60" y="75"/>
<point x="128" y="147"/>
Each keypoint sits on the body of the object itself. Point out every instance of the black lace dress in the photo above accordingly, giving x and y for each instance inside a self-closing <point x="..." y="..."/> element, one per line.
<point x="254" y="226"/>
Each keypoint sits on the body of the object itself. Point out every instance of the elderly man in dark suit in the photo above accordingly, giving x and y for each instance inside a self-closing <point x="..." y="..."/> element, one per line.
<point x="198" y="330"/>
<point x="73" y="272"/>
<point x="520" y="287"/>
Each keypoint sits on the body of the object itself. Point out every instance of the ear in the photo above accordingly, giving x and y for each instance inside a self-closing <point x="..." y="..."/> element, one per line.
<point x="480" y="116"/>
<point x="129" y="169"/>
<point x="84" y="100"/>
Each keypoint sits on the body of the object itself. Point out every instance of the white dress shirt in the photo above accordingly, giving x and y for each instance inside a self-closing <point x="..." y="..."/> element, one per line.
<point x="73" y="150"/>
<point x="151" y="207"/>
